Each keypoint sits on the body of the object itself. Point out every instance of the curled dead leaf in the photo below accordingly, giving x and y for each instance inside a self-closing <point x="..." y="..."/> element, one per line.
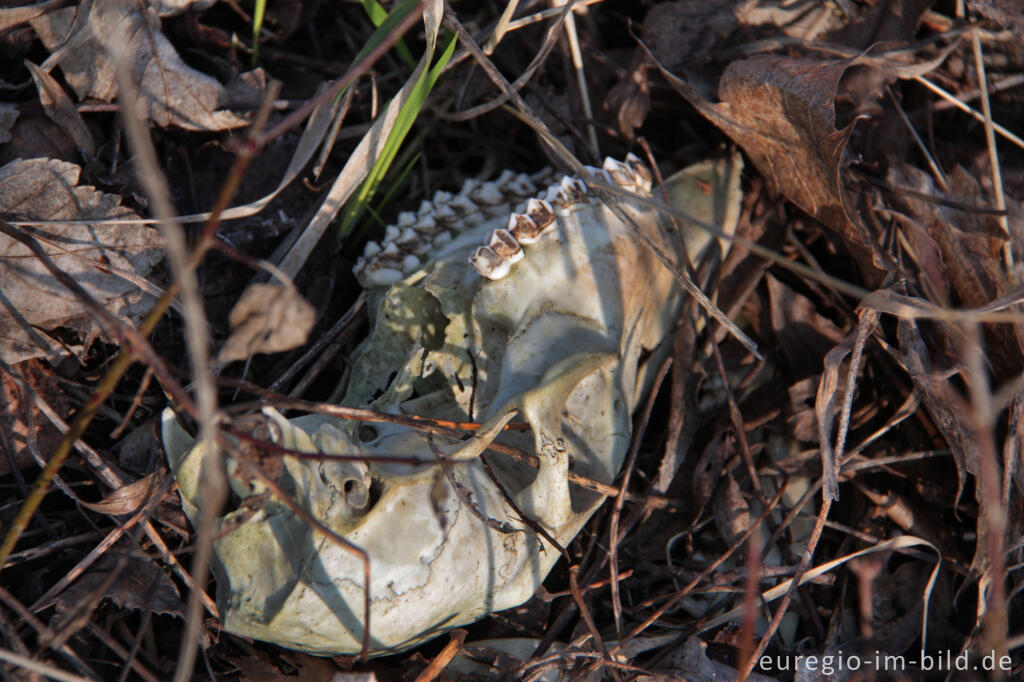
<point x="128" y="499"/>
<point x="267" y="319"/>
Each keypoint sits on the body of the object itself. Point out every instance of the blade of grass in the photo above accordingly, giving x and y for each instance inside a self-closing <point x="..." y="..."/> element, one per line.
<point x="378" y="15"/>
<point x="257" y="25"/>
<point x="403" y="123"/>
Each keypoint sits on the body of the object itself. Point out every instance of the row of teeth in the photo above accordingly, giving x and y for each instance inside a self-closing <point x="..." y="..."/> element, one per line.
<point x="505" y="246"/>
<point x="416" y="234"/>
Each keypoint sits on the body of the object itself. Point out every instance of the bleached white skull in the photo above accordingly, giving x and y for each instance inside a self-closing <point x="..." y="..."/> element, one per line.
<point x="500" y="301"/>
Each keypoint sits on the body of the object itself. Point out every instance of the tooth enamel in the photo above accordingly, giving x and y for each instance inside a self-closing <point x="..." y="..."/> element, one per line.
<point x="541" y="213"/>
<point x="506" y="246"/>
<point x="391" y="233"/>
<point x="441" y="197"/>
<point x="642" y="177"/>
<point x="390" y="250"/>
<point x="463" y="205"/>
<point x="406" y="218"/>
<point x="489" y="264"/>
<point x="524" y="229"/>
<point x="382" y="277"/>
<point x="408" y="236"/>
<point x="371" y="249"/>
<point x="410" y="263"/>
<point x="426" y="208"/>
<point x="488" y="194"/>
<point x="620" y="173"/>
<point x="425" y="225"/>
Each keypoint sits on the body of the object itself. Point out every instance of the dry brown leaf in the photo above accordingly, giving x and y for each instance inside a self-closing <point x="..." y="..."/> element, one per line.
<point x="129" y="498"/>
<point x="61" y="110"/>
<point x="170" y="91"/>
<point x="31" y="299"/>
<point x="732" y="513"/>
<point x="781" y="111"/>
<point x="804" y="335"/>
<point x="267" y="319"/>
<point x="140" y="584"/>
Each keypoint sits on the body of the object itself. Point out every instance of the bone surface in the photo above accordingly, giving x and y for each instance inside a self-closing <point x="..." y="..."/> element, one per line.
<point x="556" y="316"/>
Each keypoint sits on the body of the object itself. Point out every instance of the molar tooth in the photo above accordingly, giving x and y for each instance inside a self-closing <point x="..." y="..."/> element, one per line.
<point x="410" y="263"/>
<point x="523" y="228"/>
<point x="406" y="218"/>
<point x="445" y="214"/>
<point x="441" y="197"/>
<point x="408" y="236"/>
<point x="642" y="177"/>
<point x="489" y="264"/>
<point x="599" y="173"/>
<point x="391" y="233"/>
<point x="506" y="178"/>
<point x="390" y="251"/>
<point x="426" y="225"/>
<point x="371" y="249"/>
<point x="522" y="186"/>
<point x="382" y="277"/>
<point x="541" y="213"/>
<point x="463" y="205"/>
<point x="620" y="173"/>
<point x="574" y="188"/>
<point x="443" y="238"/>
<point x="426" y="208"/>
<point x="488" y="194"/>
<point x="506" y="246"/>
<point x="469" y="186"/>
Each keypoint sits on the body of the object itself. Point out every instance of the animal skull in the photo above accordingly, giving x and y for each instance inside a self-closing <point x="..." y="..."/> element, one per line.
<point x="554" y="311"/>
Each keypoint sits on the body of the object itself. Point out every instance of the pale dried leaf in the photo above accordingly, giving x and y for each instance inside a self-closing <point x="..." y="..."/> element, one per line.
<point x="128" y="498"/>
<point x="61" y="110"/>
<point x="170" y="92"/>
<point x="12" y="16"/>
<point x="732" y="513"/>
<point x="99" y="258"/>
<point x="267" y="319"/>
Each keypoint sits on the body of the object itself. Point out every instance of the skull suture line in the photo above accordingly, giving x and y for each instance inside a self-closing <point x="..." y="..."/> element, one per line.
<point x="554" y="311"/>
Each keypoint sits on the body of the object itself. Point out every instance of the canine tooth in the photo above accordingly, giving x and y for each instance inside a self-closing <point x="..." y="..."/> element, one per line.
<point x="506" y="246"/>
<point x="523" y="228"/>
<point x="541" y="213"/>
<point x="391" y="233"/>
<point x="406" y="218"/>
<point x="620" y="173"/>
<point x="410" y="263"/>
<point x="489" y="264"/>
<point x="371" y="249"/>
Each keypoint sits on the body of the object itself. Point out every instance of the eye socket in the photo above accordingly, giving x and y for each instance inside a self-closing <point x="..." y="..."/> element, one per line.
<point x="366" y="433"/>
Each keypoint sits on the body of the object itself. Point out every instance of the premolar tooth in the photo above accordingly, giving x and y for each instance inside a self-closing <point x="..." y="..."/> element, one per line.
<point x="506" y="246"/>
<point x="523" y="228"/>
<point x="541" y="213"/>
<point x="489" y="264"/>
